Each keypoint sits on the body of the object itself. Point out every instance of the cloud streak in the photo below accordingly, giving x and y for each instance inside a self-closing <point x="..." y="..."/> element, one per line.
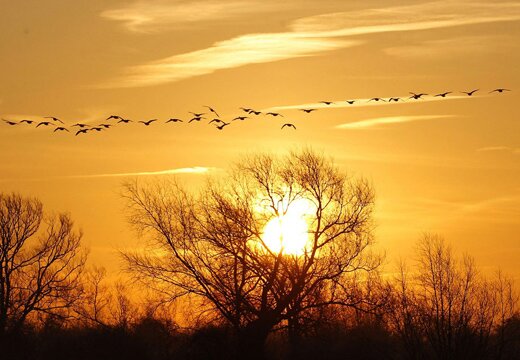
<point x="371" y="123"/>
<point x="186" y="170"/>
<point x="308" y="36"/>
<point x="500" y="148"/>
<point x="161" y="15"/>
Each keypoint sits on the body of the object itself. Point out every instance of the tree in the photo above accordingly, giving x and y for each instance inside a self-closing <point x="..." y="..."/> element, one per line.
<point x="211" y="246"/>
<point x="447" y="309"/>
<point x="40" y="262"/>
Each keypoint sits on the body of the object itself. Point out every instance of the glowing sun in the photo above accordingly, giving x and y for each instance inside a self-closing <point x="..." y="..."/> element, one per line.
<point x="289" y="233"/>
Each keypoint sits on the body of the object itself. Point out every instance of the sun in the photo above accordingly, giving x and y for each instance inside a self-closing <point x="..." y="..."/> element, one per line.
<point x="289" y="233"/>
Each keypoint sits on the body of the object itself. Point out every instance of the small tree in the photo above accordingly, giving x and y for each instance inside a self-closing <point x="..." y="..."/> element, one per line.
<point x="40" y="262"/>
<point x="211" y="246"/>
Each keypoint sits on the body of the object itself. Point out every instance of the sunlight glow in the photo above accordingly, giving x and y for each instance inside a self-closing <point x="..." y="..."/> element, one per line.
<point x="289" y="233"/>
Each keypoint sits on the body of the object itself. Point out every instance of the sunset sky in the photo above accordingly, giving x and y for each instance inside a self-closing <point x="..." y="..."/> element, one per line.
<point x="444" y="165"/>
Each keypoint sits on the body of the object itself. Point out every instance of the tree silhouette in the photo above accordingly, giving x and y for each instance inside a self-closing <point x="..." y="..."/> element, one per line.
<point x="40" y="262"/>
<point x="210" y="246"/>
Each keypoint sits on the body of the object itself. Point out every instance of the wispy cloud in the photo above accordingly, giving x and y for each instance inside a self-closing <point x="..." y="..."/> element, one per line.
<point x="159" y="15"/>
<point x="450" y="47"/>
<point x="370" y="123"/>
<point x="186" y="170"/>
<point x="308" y="36"/>
<point x="509" y="149"/>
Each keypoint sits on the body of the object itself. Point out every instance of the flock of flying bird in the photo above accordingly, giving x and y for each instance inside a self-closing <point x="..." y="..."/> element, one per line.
<point x="82" y="128"/>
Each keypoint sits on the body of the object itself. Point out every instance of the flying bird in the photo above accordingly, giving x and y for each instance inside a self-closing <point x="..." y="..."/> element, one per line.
<point x="196" y="118"/>
<point x="288" y="125"/>
<point x="395" y="99"/>
<point x="247" y="110"/>
<point x="224" y="124"/>
<point x="106" y="126"/>
<point x="114" y="117"/>
<point x="469" y="93"/>
<point x="80" y="125"/>
<point x="148" y="122"/>
<point x="26" y="121"/>
<point x="499" y="90"/>
<point x="125" y="121"/>
<point x="376" y="99"/>
<point x="216" y="120"/>
<point x="255" y="112"/>
<point x="274" y="114"/>
<point x="351" y="101"/>
<point x="443" y="94"/>
<point x="308" y="111"/>
<point x="212" y="110"/>
<point x="9" y="122"/>
<point x="327" y="102"/>
<point x="240" y="118"/>
<point x="174" y="120"/>
<point x="82" y="131"/>
<point x="61" y="128"/>
<point x="94" y="128"/>
<point x="44" y="123"/>
<point x="53" y="118"/>
<point x="416" y="96"/>
<point x="197" y="114"/>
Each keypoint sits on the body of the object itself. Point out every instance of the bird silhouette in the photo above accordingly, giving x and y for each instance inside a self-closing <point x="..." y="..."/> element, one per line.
<point x="114" y="117"/>
<point x="469" y="93"/>
<point x="196" y="118"/>
<point x="443" y="94"/>
<point x="80" y="125"/>
<point x="44" y="123"/>
<point x="416" y="96"/>
<point x="53" y="118"/>
<point x="9" y="122"/>
<point x="255" y="112"/>
<point x="274" y="114"/>
<point x="61" y="128"/>
<point x="327" y="102"/>
<point x="148" y="122"/>
<point x="197" y="114"/>
<point x="247" y="110"/>
<point x="216" y="120"/>
<point x="174" y="120"/>
<point x="288" y="125"/>
<point x="395" y="99"/>
<point x="125" y="121"/>
<point x="376" y="99"/>
<point x="106" y="126"/>
<point x="240" y="118"/>
<point x="499" y="90"/>
<point x="95" y="129"/>
<point x="308" y="111"/>
<point x="212" y="110"/>
<point x="351" y="101"/>
<point x="26" y="121"/>
<point x="224" y="124"/>
<point x="82" y="131"/>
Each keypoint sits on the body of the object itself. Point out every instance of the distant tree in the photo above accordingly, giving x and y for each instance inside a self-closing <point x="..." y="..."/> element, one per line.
<point x="40" y="262"/>
<point x="210" y="246"/>
<point x="447" y="310"/>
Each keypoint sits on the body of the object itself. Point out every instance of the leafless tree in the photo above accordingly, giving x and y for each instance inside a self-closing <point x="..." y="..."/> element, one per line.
<point x="446" y="309"/>
<point x="40" y="262"/>
<point x="210" y="246"/>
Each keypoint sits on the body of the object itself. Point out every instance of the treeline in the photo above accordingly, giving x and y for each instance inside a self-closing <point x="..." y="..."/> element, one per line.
<point x="216" y="289"/>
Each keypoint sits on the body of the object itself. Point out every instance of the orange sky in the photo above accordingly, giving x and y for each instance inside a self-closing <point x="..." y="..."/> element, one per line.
<point x="449" y="165"/>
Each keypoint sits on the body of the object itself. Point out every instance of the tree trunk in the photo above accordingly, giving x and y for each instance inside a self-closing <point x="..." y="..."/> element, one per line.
<point x="251" y="340"/>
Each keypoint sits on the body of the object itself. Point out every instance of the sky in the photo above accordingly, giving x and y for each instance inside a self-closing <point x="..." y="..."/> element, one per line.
<point x="438" y="165"/>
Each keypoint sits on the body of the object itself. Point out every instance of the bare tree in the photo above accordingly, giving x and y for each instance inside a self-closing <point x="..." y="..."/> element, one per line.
<point x="211" y="247"/>
<point x="40" y="262"/>
<point x="447" y="309"/>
